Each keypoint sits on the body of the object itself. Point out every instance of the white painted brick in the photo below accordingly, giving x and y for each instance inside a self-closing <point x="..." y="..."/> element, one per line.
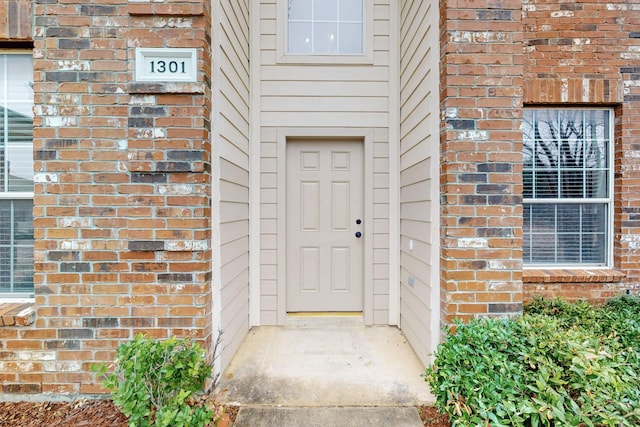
<point x="562" y="13"/>
<point x="472" y="135"/>
<point x="37" y="355"/>
<point x="461" y="37"/>
<point x="24" y="366"/>
<point x="617" y="6"/>
<point x="57" y="98"/>
<point x="451" y="112"/>
<point x="143" y="100"/>
<point x="181" y="189"/>
<point x="45" y="177"/>
<point x="152" y="133"/>
<point x="75" y="244"/>
<point x="632" y="56"/>
<point x="172" y="22"/>
<point x="70" y="65"/>
<point x="45" y="110"/>
<point x="186" y="245"/>
<point x="61" y="121"/>
<point x="473" y="242"/>
<point x="70" y="366"/>
<point x="496" y="264"/>
<point x="632" y="240"/>
<point x="75" y="222"/>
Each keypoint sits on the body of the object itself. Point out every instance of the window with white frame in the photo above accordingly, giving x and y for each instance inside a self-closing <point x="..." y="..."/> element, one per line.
<point x="16" y="174"/>
<point x="567" y="186"/>
<point x="325" y="27"/>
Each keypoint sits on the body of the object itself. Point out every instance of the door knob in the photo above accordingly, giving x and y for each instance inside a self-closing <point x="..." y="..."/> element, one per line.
<point x="358" y="234"/>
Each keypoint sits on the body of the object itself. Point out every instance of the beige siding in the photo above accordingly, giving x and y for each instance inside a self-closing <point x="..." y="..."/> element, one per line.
<point x="419" y="172"/>
<point x="231" y="140"/>
<point x="317" y="97"/>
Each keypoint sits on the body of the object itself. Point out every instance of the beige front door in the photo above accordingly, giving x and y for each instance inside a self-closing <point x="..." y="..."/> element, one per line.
<point x="324" y="225"/>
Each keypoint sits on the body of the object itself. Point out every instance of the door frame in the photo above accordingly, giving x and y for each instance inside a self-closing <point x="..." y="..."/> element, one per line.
<point x="365" y="136"/>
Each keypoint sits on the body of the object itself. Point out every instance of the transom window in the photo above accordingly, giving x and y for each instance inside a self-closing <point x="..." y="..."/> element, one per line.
<point x="567" y="186"/>
<point x="16" y="174"/>
<point x="325" y="26"/>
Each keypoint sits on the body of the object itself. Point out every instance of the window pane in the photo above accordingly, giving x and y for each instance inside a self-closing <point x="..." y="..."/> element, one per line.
<point x="572" y="183"/>
<point x="16" y="147"/>
<point x="16" y="246"/>
<point x="546" y="183"/>
<point x="300" y="10"/>
<point x="597" y="138"/>
<point x="20" y="167"/>
<point x="20" y="74"/>
<point x="565" y="233"/>
<point x="351" y="10"/>
<point x="325" y="10"/>
<point x="350" y="38"/>
<point x="325" y="38"/>
<point x="300" y="38"/>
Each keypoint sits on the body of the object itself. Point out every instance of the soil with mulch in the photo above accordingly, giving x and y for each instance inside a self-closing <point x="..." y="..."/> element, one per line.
<point x="431" y="417"/>
<point x="102" y="413"/>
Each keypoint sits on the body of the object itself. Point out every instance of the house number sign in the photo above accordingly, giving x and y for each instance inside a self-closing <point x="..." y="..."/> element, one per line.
<point x="166" y="65"/>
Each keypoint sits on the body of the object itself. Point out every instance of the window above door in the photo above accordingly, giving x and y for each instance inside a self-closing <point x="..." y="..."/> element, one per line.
<point x="325" y="27"/>
<point x="325" y="31"/>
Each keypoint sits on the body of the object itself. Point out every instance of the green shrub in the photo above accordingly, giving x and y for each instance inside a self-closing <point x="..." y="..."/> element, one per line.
<point x="563" y="365"/>
<point x="154" y="381"/>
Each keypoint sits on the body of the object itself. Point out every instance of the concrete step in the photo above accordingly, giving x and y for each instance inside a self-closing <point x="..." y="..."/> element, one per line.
<point x="270" y="416"/>
<point x="325" y="362"/>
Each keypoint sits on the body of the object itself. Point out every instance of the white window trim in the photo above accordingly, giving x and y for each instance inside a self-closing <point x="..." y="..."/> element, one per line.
<point x="610" y="200"/>
<point x="366" y="57"/>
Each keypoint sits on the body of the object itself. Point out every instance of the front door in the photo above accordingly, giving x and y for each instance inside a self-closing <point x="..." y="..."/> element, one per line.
<point x="324" y="225"/>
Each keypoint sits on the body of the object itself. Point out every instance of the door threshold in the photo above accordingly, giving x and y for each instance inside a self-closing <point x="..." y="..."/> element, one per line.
<point x="325" y="314"/>
<point x="324" y="320"/>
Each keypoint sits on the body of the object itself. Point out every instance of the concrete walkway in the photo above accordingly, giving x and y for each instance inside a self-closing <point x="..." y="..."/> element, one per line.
<point x="325" y="371"/>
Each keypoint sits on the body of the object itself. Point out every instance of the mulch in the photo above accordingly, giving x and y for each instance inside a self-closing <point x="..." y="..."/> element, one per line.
<point x="431" y="417"/>
<point x="103" y="413"/>
<point x="80" y="413"/>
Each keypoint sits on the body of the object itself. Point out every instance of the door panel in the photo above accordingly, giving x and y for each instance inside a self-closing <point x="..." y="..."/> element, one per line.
<point x="324" y="199"/>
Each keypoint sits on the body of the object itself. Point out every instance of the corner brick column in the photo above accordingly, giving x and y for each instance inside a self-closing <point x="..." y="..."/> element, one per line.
<point x="481" y="158"/>
<point x="122" y="192"/>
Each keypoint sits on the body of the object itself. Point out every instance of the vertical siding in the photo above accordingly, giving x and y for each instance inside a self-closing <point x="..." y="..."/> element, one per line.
<point x="419" y="171"/>
<point x="231" y="134"/>
<point x="324" y="96"/>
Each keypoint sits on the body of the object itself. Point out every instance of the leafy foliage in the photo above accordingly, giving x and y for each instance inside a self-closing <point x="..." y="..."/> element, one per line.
<point x="559" y="364"/>
<point x="154" y="381"/>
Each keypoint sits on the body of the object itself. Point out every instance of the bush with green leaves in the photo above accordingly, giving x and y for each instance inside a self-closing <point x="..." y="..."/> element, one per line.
<point x="558" y="365"/>
<point x="154" y="381"/>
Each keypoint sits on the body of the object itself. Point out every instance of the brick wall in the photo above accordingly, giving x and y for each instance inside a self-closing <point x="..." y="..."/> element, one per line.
<point x="122" y="189"/>
<point x="588" y="53"/>
<point x="15" y="20"/>
<point x="481" y="158"/>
